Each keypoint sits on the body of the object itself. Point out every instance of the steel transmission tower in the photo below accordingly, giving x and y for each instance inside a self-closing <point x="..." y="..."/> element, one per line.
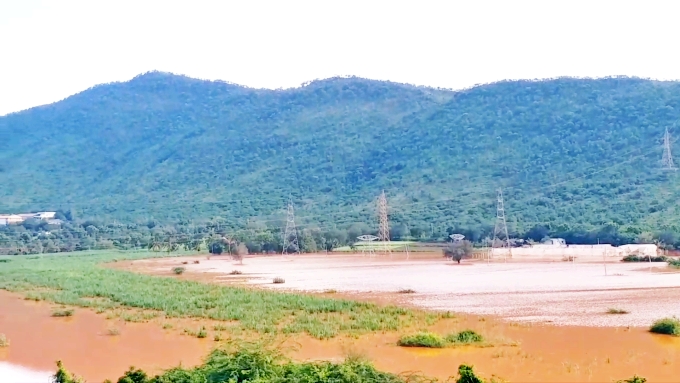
<point x="384" y="227"/>
<point x="501" y="227"/>
<point x="290" y="238"/>
<point x="667" y="159"/>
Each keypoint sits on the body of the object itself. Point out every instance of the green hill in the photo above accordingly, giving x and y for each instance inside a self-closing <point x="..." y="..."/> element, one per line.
<point x="571" y="154"/>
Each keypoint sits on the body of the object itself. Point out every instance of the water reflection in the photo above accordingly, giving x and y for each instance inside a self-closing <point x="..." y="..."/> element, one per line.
<point x="11" y="373"/>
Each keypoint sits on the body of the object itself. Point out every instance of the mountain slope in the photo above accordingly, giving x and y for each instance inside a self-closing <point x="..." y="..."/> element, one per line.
<point x="569" y="153"/>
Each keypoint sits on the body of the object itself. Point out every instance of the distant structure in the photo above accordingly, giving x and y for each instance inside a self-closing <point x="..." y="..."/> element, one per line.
<point x="667" y="159"/>
<point x="501" y="227"/>
<point x="366" y="244"/>
<point x="290" y="238"/>
<point x="384" y="227"/>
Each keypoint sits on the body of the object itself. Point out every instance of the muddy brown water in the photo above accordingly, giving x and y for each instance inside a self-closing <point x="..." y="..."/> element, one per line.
<point x="543" y="352"/>
<point x="82" y="343"/>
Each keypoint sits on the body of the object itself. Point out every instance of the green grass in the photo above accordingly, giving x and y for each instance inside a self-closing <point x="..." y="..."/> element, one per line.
<point x="674" y="262"/>
<point x="666" y="326"/>
<point x="423" y="339"/>
<point x="432" y="340"/>
<point x="78" y="279"/>
<point x="254" y="364"/>
<point x="465" y="337"/>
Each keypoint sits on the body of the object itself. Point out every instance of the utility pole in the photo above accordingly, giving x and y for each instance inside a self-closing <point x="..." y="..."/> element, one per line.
<point x="384" y="228"/>
<point x="290" y="238"/>
<point x="667" y="159"/>
<point x="501" y="227"/>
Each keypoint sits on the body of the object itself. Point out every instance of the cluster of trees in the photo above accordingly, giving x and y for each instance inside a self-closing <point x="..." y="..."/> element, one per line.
<point x="216" y="236"/>
<point x="576" y="158"/>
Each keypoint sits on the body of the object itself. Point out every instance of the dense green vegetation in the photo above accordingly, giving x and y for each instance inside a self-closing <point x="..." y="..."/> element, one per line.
<point x="432" y="340"/>
<point x="165" y="156"/>
<point x="254" y="364"/>
<point x="666" y="326"/>
<point x="78" y="280"/>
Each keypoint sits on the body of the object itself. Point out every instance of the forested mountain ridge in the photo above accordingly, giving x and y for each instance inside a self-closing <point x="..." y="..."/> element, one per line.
<point x="571" y="154"/>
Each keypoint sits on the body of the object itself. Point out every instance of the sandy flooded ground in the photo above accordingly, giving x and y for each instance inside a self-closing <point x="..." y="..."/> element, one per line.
<point x="588" y="346"/>
<point x="82" y="343"/>
<point x="561" y="293"/>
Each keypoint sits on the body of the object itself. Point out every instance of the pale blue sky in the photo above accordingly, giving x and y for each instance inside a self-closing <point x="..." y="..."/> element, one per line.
<point x="52" y="49"/>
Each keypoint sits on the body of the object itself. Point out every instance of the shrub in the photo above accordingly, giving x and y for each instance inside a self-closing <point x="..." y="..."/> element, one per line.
<point x="201" y="333"/>
<point x="465" y="337"/>
<point x="645" y="258"/>
<point x="63" y="376"/>
<point x="113" y="331"/>
<point x="236" y="272"/>
<point x="197" y="262"/>
<point x="279" y="280"/>
<point x="4" y="342"/>
<point x="459" y="250"/>
<point x="674" y="262"/>
<point x="406" y="291"/>
<point x="666" y="326"/>
<point x="466" y="375"/>
<point x="178" y="270"/>
<point x="62" y="313"/>
<point x="423" y="339"/>
<point x="634" y="379"/>
<point x="617" y="311"/>
<point x="219" y="327"/>
<point x="254" y="364"/>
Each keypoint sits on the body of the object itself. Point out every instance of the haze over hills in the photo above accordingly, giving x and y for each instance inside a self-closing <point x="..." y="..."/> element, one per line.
<point x="571" y="154"/>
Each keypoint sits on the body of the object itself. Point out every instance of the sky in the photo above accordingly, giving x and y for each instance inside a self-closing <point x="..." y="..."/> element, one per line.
<point x="50" y="50"/>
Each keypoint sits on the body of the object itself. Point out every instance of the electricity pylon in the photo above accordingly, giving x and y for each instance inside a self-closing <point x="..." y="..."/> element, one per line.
<point x="501" y="227"/>
<point x="384" y="227"/>
<point x="667" y="159"/>
<point x="290" y="238"/>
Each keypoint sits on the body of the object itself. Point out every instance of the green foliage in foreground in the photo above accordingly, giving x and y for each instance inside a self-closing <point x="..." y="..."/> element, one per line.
<point x="674" y="262"/>
<point x="634" y="379"/>
<point x="254" y="365"/>
<point x="75" y="279"/>
<point x="432" y="340"/>
<point x="667" y="326"/>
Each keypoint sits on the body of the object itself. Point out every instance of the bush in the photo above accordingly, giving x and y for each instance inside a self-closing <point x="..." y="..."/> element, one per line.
<point x="466" y="375"/>
<point x="465" y="337"/>
<point x="236" y="272"/>
<point x="202" y="333"/>
<point x="4" y="342"/>
<point x="178" y="270"/>
<point x="423" y="339"/>
<point x="666" y="326"/>
<point x="637" y="258"/>
<point x="617" y="311"/>
<point x="634" y="379"/>
<point x="674" y="262"/>
<point x="257" y="365"/>
<point x="406" y="291"/>
<point x="62" y="313"/>
<point x="279" y="280"/>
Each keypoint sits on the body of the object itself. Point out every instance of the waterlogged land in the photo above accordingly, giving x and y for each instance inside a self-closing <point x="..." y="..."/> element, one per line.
<point x="137" y="318"/>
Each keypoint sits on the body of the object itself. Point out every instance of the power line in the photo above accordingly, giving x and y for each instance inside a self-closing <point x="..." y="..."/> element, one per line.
<point x="667" y="159"/>
<point x="290" y="237"/>
<point x="501" y="226"/>
<point x="383" y="227"/>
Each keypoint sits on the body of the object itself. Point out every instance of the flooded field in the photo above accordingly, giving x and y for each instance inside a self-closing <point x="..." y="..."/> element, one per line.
<point x="560" y="293"/>
<point x="516" y="306"/>
<point x="83" y="343"/>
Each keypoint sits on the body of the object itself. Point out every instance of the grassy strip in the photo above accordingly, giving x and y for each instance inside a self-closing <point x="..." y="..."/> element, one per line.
<point x="250" y="364"/>
<point x="666" y="326"/>
<point x="432" y="340"/>
<point x="78" y="280"/>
